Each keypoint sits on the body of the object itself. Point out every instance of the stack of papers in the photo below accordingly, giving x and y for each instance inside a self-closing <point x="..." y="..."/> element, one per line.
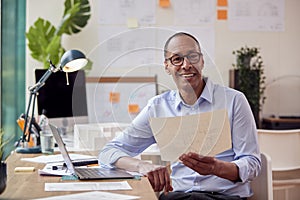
<point x="54" y="169"/>
<point x="54" y="163"/>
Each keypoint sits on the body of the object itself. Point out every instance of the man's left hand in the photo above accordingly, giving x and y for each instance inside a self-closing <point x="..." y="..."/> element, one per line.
<point x="207" y="165"/>
<point x="204" y="165"/>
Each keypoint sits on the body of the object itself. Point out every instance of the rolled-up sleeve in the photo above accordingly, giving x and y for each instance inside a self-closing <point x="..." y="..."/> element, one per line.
<point x="131" y="142"/>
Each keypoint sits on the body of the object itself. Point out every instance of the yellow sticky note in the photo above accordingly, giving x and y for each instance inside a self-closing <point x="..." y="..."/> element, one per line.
<point x="164" y="3"/>
<point x="132" y="23"/>
<point x="222" y="14"/>
<point x="114" y="97"/>
<point x="133" y="108"/>
<point x="24" y="169"/>
<point x="222" y="3"/>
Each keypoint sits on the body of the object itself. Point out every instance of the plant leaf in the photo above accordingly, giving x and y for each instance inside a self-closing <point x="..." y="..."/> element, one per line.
<point x="3" y="142"/>
<point x="76" y="16"/>
<point x="54" y="50"/>
<point x="39" y="36"/>
<point x="44" y="40"/>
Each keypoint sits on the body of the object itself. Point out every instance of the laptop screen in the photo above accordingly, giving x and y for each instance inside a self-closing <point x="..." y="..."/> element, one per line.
<point x="62" y="149"/>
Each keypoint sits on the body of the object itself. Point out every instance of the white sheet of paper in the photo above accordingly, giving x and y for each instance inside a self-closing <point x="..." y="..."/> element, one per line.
<point x="187" y="12"/>
<point x="256" y="15"/>
<point x="205" y="133"/>
<point x="56" y="158"/>
<point x="143" y="10"/>
<point x="48" y="170"/>
<point x="92" y="196"/>
<point x="85" y="186"/>
<point x="60" y="171"/>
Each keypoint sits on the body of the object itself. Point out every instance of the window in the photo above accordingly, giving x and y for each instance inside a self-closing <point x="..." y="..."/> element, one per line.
<point x="12" y="66"/>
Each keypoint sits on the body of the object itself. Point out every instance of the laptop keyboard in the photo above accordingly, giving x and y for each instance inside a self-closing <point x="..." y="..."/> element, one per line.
<point x="100" y="173"/>
<point x="90" y="172"/>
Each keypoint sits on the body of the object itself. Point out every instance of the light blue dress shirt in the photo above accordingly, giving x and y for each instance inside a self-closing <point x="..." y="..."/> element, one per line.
<point x="244" y="152"/>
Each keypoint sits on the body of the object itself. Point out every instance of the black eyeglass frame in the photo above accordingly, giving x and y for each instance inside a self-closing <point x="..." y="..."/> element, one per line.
<point x="184" y="56"/>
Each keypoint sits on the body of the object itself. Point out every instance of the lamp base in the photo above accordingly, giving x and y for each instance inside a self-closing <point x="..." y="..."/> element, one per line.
<point x="28" y="150"/>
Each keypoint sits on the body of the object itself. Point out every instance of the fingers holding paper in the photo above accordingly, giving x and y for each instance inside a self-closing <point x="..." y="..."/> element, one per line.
<point x="204" y="165"/>
<point x="207" y="165"/>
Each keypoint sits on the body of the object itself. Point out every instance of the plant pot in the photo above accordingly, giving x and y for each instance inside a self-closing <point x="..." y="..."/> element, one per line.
<point x="3" y="176"/>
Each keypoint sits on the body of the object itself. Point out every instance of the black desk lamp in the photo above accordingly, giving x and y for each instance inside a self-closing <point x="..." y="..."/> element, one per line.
<point x="71" y="61"/>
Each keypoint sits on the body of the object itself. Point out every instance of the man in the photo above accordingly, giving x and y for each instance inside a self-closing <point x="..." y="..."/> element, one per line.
<point x="225" y="176"/>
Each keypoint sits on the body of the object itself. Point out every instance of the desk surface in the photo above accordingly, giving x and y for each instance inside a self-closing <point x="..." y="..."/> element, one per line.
<point x="30" y="185"/>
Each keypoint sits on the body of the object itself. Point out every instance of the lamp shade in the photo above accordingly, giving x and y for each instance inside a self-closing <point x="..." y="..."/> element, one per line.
<point x="73" y="60"/>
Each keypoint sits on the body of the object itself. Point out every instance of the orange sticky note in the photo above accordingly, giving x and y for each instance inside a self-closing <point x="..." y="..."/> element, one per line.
<point x="164" y="3"/>
<point x="222" y="3"/>
<point x="133" y="108"/>
<point x="114" y="97"/>
<point x="222" y="14"/>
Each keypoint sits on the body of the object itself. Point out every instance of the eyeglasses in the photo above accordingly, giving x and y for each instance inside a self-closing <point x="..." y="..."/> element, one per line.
<point x="178" y="60"/>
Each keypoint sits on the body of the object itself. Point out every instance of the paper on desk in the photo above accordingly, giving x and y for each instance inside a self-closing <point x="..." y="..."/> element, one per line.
<point x="60" y="171"/>
<point x="92" y="196"/>
<point x="205" y="133"/>
<point x="56" y="158"/>
<point x="84" y="186"/>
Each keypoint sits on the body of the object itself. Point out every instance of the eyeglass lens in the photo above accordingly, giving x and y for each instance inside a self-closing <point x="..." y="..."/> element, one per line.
<point x="192" y="57"/>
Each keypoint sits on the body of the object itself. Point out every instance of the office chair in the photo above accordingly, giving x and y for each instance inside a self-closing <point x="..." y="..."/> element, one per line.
<point x="283" y="146"/>
<point x="262" y="185"/>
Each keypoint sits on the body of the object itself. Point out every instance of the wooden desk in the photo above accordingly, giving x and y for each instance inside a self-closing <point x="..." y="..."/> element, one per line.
<point x="30" y="185"/>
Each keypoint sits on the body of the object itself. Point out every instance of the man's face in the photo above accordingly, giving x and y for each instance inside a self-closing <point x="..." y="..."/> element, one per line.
<point x="187" y="75"/>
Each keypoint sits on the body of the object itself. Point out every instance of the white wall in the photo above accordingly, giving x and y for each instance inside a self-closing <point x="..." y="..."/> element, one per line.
<point x="278" y="49"/>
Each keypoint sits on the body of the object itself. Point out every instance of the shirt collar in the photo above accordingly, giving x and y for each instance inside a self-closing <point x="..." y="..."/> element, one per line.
<point x="206" y="94"/>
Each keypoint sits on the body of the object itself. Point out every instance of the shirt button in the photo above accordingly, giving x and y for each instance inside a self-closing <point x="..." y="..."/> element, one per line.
<point x="196" y="183"/>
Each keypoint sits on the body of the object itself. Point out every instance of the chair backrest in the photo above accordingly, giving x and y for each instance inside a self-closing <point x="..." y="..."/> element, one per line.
<point x="283" y="146"/>
<point x="262" y="185"/>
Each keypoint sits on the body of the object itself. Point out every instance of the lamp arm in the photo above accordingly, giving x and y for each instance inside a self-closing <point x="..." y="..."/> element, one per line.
<point x="26" y="117"/>
<point x="52" y="69"/>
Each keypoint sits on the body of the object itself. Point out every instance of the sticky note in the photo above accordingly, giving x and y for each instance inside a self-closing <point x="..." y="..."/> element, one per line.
<point x="24" y="169"/>
<point x="133" y="108"/>
<point x="222" y="14"/>
<point x="132" y="23"/>
<point x="164" y="3"/>
<point x="114" y="97"/>
<point x="222" y="3"/>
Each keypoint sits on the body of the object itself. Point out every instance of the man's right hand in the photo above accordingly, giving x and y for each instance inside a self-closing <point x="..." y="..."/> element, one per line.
<point x="158" y="176"/>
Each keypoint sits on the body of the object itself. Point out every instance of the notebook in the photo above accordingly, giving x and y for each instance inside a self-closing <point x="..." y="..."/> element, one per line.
<point x="87" y="173"/>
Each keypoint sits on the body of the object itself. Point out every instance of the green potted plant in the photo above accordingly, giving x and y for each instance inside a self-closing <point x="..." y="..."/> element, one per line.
<point x="3" y="156"/>
<point x="248" y="77"/>
<point x="44" y="40"/>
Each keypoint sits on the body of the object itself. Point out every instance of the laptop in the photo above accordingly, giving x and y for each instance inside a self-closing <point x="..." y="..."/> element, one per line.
<point x="87" y="173"/>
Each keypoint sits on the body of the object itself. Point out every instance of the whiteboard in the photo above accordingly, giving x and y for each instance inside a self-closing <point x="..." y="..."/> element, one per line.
<point x="118" y="99"/>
